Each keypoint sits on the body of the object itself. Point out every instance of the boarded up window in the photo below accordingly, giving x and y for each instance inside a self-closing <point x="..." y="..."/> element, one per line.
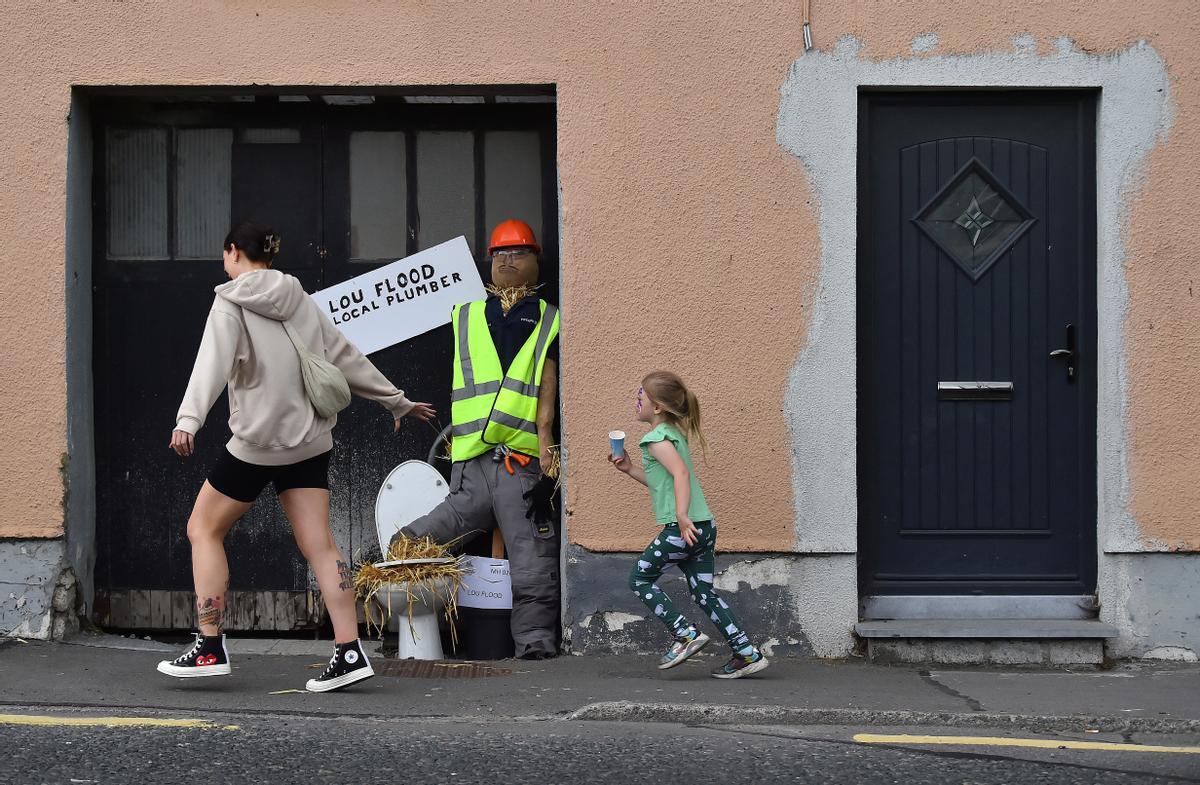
<point x="378" y="195"/>
<point x="136" y="178"/>
<point x="445" y="187"/>
<point x="202" y="191"/>
<point x="513" y="184"/>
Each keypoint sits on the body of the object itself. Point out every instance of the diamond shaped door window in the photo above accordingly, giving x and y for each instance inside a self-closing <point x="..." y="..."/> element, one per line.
<point x="974" y="219"/>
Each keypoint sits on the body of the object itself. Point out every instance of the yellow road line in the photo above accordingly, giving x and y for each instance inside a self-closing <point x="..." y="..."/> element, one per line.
<point x="1001" y="741"/>
<point x="106" y="722"/>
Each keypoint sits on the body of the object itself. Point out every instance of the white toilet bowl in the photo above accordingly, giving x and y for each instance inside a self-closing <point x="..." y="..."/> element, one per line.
<point x="418" y="637"/>
<point x="411" y="490"/>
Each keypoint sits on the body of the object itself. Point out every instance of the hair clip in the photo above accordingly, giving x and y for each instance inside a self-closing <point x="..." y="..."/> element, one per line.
<point x="271" y="243"/>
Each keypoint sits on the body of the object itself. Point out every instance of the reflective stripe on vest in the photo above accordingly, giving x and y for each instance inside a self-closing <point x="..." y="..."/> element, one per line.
<point x="486" y="409"/>
<point x="514" y="418"/>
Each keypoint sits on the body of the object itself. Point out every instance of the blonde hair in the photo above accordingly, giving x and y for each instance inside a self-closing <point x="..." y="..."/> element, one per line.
<point x="679" y="404"/>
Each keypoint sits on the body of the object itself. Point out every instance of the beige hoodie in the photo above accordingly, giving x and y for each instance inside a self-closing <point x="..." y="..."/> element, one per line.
<point x="246" y="347"/>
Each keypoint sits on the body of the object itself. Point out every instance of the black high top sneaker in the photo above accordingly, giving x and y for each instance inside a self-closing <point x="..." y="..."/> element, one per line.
<point x="207" y="657"/>
<point x="348" y="664"/>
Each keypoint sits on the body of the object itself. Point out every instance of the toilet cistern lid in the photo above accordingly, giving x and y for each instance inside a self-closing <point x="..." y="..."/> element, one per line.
<point x="411" y="490"/>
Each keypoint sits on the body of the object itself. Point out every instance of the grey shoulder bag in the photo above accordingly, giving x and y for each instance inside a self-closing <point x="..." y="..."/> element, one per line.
<point x="324" y="383"/>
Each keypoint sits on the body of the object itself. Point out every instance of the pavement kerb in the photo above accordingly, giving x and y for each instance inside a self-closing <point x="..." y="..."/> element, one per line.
<point x="716" y="714"/>
<point x="242" y="712"/>
<point x="689" y="714"/>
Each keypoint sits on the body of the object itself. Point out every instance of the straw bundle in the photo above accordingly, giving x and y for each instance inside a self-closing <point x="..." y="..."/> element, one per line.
<point x="553" y="464"/>
<point x="370" y="579"/>
<point x="446" y="448"/>
<point x="511" y="295"/>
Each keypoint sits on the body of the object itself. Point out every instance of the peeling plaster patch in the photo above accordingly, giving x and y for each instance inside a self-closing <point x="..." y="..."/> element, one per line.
<point x="815" y="604"/>
<point x="817" y="121"/>
<point x="31" y="573"/>
<point x="1025" y="44"/>
<point x="1171" y="653"/>
<point x="925" y="42"/>
<point x="34" y="629"/>
<point x="755" y="573"/>
<point x="616" y="632"/>
<point x="847" y="46"/>
<point x="804" y="605"/>
<point x="612" y="620"/>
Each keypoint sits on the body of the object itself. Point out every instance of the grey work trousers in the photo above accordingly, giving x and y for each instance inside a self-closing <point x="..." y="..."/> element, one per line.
<point x="482" y="495"/>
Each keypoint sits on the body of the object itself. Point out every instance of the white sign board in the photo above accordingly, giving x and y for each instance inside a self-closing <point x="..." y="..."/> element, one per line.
<point x="486" y="584"/>
<point x="403" y="299"/>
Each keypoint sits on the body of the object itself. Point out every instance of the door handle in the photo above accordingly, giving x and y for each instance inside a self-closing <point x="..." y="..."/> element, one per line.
<point x="1069" y="354"/>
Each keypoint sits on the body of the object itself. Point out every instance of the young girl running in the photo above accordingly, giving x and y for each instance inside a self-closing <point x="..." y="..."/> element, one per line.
<point x="689" y="534"/>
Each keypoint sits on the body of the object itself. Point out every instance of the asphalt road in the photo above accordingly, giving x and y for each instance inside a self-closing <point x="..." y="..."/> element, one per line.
<point x="306" y="749"/>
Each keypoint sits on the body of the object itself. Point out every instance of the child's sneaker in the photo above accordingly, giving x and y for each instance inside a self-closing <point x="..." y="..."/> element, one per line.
<point x="207" y="657"/>
<point x="683" y="648"/>
<point x="348" y="665"/>
<point x="739" y="666"/>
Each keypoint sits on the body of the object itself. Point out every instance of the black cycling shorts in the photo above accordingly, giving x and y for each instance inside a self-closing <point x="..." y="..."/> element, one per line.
<point x="245" y="481"/>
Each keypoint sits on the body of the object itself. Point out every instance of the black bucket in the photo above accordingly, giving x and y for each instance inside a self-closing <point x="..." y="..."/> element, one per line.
<point x="485" y="634"/>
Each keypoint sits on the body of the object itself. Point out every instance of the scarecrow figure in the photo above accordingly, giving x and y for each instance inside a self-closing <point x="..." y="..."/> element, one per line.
<point x="503" y="404"/>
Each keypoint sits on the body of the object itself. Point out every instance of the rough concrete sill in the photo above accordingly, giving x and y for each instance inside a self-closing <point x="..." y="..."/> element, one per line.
<point x="985" y="628"/>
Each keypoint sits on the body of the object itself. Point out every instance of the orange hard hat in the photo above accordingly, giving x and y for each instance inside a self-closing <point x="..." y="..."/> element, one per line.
<point x="513" y="234"/>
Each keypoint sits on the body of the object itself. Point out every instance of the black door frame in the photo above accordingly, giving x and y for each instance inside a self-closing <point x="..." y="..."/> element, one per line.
<point x="1088" y="105"/>
<point x="320" y="123"/>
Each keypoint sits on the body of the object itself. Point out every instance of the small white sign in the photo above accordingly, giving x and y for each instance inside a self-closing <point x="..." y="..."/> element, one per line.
<point x="486" y="584"/>
<point x="403" y="299"/>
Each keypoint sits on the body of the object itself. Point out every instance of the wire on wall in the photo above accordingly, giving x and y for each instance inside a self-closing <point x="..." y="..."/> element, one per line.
<point x="807" y="12"/>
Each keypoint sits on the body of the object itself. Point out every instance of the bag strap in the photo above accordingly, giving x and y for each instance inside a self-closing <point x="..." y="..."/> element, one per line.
<point x="297" y="342"/>
<point x="293" y="336"/>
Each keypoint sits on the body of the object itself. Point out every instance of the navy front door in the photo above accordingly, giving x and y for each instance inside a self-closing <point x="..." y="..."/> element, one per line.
<point x="976" y="343"/>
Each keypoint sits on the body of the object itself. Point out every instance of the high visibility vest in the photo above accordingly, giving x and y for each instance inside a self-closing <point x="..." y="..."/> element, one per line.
<point x="489" y="407"/>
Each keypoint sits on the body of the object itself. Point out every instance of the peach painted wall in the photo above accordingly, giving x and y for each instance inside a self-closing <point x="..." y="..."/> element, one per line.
<point x="689" y="238"/>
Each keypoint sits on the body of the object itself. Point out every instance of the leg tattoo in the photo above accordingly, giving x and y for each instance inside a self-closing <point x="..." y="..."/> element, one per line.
<point x="210" y="611"/>
<point x="344" y="573"/>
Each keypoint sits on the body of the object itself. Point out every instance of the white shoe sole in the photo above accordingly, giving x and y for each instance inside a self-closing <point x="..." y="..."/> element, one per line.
<point x="193" y="672"/>
<point x="693" y="647"/>
<point x="753" y="667"/>
<point x="341" y="681"/>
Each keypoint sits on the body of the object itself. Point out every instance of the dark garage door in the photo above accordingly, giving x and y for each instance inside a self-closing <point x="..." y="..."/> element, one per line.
<point x="351" y="185"/>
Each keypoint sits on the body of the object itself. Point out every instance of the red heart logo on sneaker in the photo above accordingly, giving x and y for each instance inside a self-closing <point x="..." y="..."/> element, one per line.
<point x="206" y="659"/>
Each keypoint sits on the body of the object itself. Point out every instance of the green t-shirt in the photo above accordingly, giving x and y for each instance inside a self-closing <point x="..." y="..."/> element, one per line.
<point x="662" y="484"/>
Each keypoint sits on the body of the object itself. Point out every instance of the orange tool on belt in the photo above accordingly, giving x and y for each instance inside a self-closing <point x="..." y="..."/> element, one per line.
<point x="509" y="457"/>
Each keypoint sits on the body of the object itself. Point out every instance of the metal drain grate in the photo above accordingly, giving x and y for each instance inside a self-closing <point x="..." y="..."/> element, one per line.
<point x="431" y="669"/>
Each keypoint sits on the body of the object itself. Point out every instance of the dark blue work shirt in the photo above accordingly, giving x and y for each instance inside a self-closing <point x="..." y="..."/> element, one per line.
<point x="510" y="331"/>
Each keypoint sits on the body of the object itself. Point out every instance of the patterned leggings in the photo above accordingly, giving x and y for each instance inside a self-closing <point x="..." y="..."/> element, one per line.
<point x="696" y="563"/>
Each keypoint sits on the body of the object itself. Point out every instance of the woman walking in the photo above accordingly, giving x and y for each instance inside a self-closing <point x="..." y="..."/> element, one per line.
<point x="278" y="437"/>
